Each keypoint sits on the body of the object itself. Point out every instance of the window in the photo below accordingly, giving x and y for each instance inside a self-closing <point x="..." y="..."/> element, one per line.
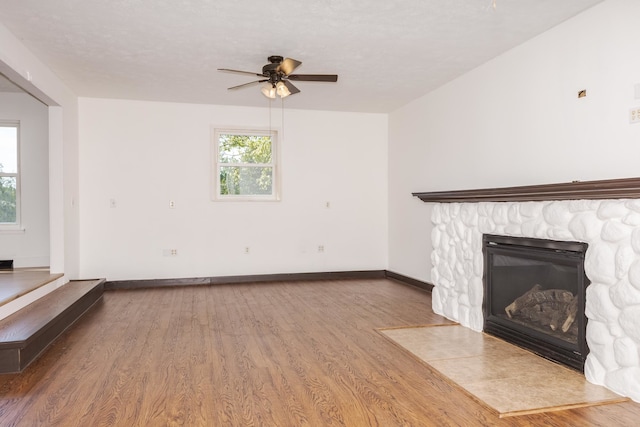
<point x="9" y="174"/>
<point x="245" y="165"/>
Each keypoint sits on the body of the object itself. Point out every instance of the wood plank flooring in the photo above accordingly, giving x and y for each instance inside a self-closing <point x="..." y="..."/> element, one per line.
<point x="278" y="354"/>
<point x="18" y="282"/>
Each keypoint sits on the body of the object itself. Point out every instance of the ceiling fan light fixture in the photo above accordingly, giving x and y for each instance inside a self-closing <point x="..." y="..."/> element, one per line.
<point x="282" y="89"/>
<point x="276" y="77"/>
<point x="268" y="90"/>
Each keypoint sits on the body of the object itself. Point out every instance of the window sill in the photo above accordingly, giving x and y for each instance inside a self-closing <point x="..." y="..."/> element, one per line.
<point x="244" y="199"/>
<point x="12" y="229"/>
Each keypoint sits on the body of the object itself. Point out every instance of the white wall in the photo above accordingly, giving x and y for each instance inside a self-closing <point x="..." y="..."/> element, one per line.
<point x="26" y="70"/>
<point x="517" y="120"/>
<point x="29" y="248"/>
<point x="144" y="154"/>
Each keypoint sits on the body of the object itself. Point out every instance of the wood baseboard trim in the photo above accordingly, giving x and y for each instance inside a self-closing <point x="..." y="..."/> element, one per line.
<point x="260" y="278"/>
<point x="409" y="281"/>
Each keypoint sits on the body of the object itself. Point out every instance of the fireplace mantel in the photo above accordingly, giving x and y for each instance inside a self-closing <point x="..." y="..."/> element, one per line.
<point x="627" y="188"/>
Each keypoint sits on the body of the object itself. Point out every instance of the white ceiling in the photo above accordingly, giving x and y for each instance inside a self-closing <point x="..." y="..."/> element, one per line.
<point x="386" y="52"/>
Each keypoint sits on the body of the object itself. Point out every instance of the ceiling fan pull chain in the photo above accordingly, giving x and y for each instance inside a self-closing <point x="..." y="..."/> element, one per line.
<point x="270" y="102"/>
<point x="282" y="120"/>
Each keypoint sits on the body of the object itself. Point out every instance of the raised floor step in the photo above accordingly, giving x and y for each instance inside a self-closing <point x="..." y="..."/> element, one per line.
<point x="26" y="333"/>
<point x="18" y="282"/>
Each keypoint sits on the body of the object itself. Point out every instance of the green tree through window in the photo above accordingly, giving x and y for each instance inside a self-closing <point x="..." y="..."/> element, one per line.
<point x="7" y="198"/>
<point x="246" y="165"/>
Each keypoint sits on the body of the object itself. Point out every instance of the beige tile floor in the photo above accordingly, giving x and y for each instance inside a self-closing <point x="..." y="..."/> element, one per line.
<point x="504" y="377"/>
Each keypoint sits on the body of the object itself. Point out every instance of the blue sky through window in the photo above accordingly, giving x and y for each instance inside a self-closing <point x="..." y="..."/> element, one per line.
<point x="9" y="149"/>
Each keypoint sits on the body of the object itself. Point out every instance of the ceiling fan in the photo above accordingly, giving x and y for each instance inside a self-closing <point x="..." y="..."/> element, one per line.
<point x="277" y="77"/>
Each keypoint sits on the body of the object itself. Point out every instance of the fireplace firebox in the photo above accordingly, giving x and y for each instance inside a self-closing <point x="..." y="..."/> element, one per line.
<point x="534" y="296"/>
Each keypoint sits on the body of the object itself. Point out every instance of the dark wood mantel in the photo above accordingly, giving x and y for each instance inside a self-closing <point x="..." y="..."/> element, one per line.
<point x="627" y="188"/>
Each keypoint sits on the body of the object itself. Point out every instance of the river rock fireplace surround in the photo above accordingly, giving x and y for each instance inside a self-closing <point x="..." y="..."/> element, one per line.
<point x="605" y="215"/>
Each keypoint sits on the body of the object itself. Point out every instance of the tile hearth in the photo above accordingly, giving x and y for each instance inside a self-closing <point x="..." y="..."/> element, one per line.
<point x="506" y="378"/>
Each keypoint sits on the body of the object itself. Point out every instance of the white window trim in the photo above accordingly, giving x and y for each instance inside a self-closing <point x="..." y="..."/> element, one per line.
<point x="275" y="164"/>
<point x="14" y="227"/>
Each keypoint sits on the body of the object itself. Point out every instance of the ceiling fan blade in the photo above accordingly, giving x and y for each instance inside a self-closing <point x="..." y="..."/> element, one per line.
<point x="313" y="77"/>
<point x="247" y="84"/>
<point x="291" y="87"/>
<point x="227" y="70"/>
<point x="288" y="65"/>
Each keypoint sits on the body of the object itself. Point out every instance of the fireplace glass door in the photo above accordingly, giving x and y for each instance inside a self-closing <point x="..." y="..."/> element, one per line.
<point x="535" y="295"/>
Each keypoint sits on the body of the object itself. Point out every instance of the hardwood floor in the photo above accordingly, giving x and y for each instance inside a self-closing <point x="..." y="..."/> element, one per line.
<point x="278" y="354"/>
<point x="20" y="281"/>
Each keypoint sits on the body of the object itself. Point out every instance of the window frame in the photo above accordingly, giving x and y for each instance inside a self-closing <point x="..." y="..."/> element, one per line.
<point x="217" y="164"/>
<point x="13" y="226"/>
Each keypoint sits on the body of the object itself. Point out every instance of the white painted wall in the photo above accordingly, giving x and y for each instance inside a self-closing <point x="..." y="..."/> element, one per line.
<point x="144" y="154"/>
<point x="29" y="248"/>
<point x="25" y="69"/>
<point x="517" y="120"/>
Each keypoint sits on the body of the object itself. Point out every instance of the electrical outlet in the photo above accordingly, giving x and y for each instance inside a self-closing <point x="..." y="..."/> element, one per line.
<point x="169" y="252"/>
<point x="112" y="203"/>
<point x="247" y="250"/>
<point x="172" y="204"/>
<point x="634" y="115"/>
<point x="320" y="248"/>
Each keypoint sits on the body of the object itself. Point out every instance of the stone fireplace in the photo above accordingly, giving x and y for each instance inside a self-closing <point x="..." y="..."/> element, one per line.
<point x="610" y="227"/>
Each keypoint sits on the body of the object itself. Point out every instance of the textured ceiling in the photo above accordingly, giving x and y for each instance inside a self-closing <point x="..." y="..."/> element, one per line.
<point x="386" y="53"/>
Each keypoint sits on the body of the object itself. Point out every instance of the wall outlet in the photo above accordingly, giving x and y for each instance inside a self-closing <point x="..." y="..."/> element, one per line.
<point x="112" y="203"/>
<point x="172" y="204"/>
<point x="634" y="115"/>
<point x="247" y="250"/>
<point x="320" y="248"/>
<point x="169" y="252"/>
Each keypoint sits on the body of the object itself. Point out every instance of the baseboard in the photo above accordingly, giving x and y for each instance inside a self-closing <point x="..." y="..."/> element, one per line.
<point x="260" y="278"/>
<point x="409" y="280"/>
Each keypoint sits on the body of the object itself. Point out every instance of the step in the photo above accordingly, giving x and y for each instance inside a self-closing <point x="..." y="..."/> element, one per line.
<point x="19" y="282"/>
<point x="28" y="332"/>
